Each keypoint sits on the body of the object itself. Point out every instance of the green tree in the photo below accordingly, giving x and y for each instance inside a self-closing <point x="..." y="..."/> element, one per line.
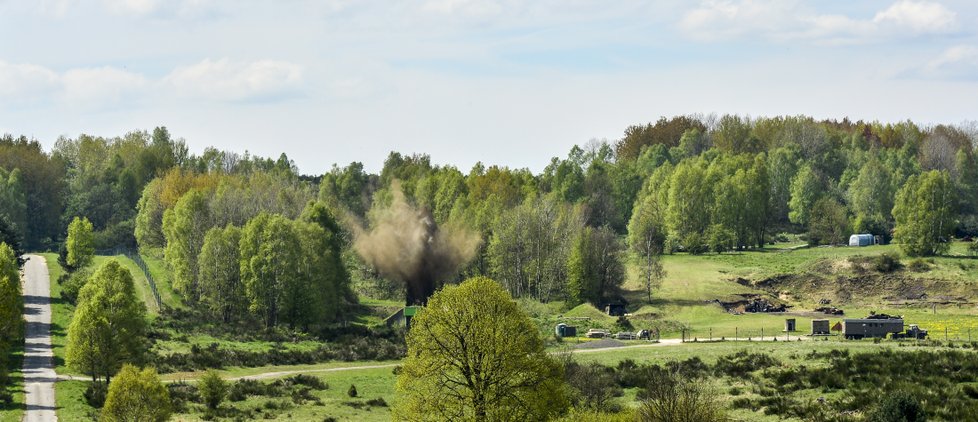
<point x="13" y="202"/>
<point x="594" y="267"/>
<point x="647" y="238"/>
<point x="806" y="188"/>
<point x="221" y="289"/>
<point x="80" y="243"/>
<point x="270" y="257"/>
<point x="829" y="223"/>
<point x="925" y="214"/>
<point x="149" y="216"/>
<point x="11" y="302"/>
<point x="473" y="354"/>
<point x="213" y="389"/>
<point x="185" y="227"/>
<point x="689" y="202"/>
<point x="719" y="238"/>
<point x="871" y="198"/>
<point x="136" y="396"/>
<point x="108" y="326"/>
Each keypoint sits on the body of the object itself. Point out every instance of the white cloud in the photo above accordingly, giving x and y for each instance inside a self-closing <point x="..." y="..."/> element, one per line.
<point x="919" y="16"/>
<point x="958" y="62"/>
<point x="480" y="8"/>
<point x="785" y="20"/>
<point x="20" y="81"/>
<point x="225" y="80"/>
<point x="133" y="7"/>
<point x="103" y="86"/>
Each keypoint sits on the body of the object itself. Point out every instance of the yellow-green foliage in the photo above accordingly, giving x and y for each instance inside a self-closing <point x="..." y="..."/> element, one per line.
<point x="136" y="395"/>
<point x="474" y="355"/>
<point x="80" y="243"/>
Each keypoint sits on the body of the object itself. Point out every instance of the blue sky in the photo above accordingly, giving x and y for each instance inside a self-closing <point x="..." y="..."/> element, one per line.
<point x="499" y="81"/>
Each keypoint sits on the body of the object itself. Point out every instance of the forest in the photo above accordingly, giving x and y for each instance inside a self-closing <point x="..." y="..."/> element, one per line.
<point x="695" y="184"/>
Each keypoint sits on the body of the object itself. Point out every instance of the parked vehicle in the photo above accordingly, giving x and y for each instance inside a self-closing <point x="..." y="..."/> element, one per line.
<point x="855" y="329"/>
<point x="913" y="332"/>
<point x="625" y="335"/>
<point x="596" y="333"/>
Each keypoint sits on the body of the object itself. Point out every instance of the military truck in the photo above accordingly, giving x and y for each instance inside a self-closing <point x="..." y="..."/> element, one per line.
<point x="913" y="332"/>
<point x="874" y="327"/>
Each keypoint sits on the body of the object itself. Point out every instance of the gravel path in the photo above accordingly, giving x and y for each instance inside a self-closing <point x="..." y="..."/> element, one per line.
<point x="39" y="376"/>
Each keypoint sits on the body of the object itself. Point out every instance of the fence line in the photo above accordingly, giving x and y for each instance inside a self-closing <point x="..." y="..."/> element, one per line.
<point x="138" y="259"/>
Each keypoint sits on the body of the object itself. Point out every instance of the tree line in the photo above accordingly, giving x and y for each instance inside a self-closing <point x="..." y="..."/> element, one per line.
<point x="693" y="184"/>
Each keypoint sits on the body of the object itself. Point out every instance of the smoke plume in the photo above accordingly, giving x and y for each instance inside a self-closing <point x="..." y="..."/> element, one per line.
<point x="405" y="244"/>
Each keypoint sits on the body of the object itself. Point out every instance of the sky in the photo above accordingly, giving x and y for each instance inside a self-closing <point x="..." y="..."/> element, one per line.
<point x="503" y="82"/>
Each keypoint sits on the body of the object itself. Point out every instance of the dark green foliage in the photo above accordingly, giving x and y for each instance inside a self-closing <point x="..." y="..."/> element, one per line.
<point x="742" y="363"/>
<point x="595" y="386"/>
<point x="899" y="406"/>
<point x="95" y="394"/>
<point x="352" y="391"/>
<point x="887" y="263"/>
<point x="72" y="283"/>
<point x="213" y="389"/>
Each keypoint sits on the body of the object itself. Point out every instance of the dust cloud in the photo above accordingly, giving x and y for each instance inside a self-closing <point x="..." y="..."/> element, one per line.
<point x="405" y="244"/>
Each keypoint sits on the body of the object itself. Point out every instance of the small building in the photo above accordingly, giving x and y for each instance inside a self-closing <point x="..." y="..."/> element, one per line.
<point x="855" y="329"/>
<point x="564" y="330"/>
<point x="789" y="325"/>
<point x="864" y="239"/>
<point x="820" y="327"/>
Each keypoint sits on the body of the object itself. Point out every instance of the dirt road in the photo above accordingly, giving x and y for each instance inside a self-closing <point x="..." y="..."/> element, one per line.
<point x="39" y="376"/>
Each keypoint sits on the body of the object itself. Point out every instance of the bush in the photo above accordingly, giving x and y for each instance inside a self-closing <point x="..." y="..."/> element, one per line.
<point x="742" y="363"/>
<point x="887" y="263"/>
<point x="352" y="392"/>
<point x="973" y="248"/>
<point x="918" y="266"/>
<point x="899" y="407"/>
<point x="674" y="397"/>
<point x="71" y="284"/>
<point x="213" y="389"/>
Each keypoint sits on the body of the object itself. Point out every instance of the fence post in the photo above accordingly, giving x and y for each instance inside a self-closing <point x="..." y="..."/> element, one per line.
<point x="762" y="333"/>
<point x="945" y="333"/>
<point x="711" y="333"/>
<point x="736" y="333"/>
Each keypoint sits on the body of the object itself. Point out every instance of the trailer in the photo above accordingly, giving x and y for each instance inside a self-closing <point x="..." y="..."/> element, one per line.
<point x="855" y="329"/>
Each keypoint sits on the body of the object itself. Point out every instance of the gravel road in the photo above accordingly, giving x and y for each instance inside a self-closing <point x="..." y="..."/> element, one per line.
<point x="39" y="376"/>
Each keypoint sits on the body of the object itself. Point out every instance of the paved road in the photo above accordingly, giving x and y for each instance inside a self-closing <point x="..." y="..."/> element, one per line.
<point x="39" y="376"/>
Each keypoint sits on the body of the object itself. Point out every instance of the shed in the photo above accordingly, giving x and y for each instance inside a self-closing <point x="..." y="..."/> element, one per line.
<point x="863" y="239"/>
<point x="564" y="330"/>
<point x="820" y="327"/>
<point x="789" y="325"/>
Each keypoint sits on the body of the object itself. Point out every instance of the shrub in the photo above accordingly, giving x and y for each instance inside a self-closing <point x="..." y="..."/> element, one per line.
<point x="71" y="284"/>
<point x="352" y="392"/>
<point x="918" y="266"/>
<point x="973" y="248"/>
<point x="136" y="395"/>
<point x="887" y="263"/>
<point x="213" y="389"/>
<point x="674" y="397"/>
<point x="899" y="406"/>
<point x="742" y="363"/>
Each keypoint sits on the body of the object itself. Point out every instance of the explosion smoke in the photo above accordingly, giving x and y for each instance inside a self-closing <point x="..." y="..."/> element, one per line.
<point x="405" y="244"/>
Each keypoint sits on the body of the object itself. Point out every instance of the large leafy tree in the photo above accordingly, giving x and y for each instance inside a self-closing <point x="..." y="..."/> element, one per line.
<point x="806" y="188"/>
<point x="136" y="395"/>
<point x="270" y="267"/>
<point x="829" y="223"/>
<point x="108" y="327"/>
<point x="474" y="355"/>
<point x="185" y="227"/>
<point x="925" y="214"/>
<point x="221" y="289"/>
<point x="529" y="247"/>
<point x="11" y="299"/>
<point x="871" y="198"/>
<point x="647" y="238"/>
<point x="594" y="267"/>
<point x="80" y="244"/>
